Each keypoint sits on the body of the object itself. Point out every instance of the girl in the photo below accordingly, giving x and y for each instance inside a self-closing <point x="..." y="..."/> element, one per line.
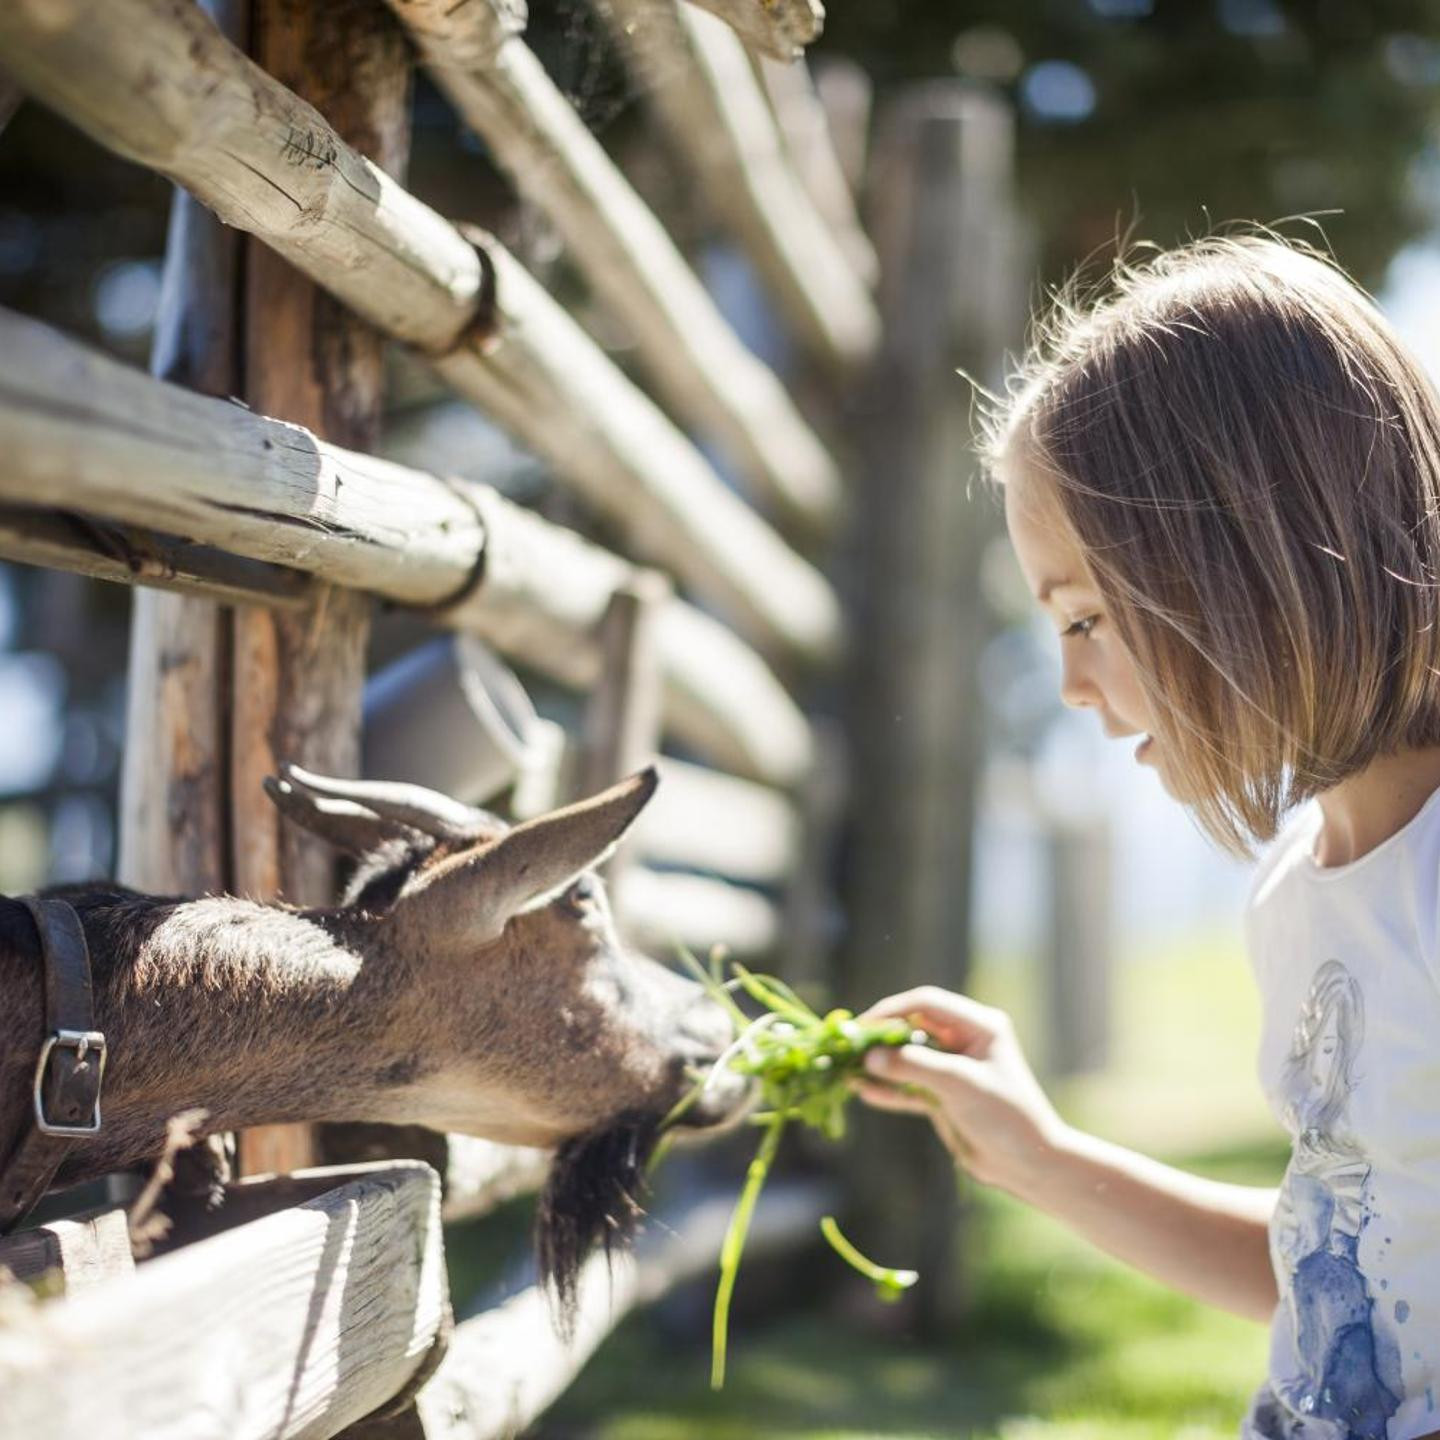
<point x="1222" y="483"/>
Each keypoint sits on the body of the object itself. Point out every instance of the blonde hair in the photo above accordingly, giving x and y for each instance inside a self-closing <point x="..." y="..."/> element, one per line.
<point x="1250" y="460"/>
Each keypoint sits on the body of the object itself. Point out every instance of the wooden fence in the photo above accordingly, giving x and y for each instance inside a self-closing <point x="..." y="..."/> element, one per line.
<point x="315" y="1300"/>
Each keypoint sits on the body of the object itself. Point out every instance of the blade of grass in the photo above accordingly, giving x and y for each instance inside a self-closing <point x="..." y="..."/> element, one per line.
<point x="734" y="1245"/>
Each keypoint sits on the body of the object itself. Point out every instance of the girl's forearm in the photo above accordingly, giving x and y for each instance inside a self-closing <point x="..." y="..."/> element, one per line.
<point x="1203" y="1237"/>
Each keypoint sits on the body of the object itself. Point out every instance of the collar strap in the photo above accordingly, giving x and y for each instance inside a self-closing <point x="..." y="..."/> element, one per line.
<point x="69" y="1069"/>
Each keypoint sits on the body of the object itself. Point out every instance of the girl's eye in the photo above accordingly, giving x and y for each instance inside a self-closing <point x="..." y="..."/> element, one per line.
<point x="1080" y="627"/>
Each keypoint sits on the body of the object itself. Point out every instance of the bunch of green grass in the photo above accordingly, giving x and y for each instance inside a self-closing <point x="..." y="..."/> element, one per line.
<point x="803" y="1062"/>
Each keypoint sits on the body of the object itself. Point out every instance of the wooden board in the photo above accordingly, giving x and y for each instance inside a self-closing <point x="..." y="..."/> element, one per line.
<point x="293" y="1325"/>
<point x="124" y="447"/>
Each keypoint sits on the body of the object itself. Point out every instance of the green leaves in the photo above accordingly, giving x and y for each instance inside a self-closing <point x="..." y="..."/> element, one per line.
<point x="803" y="1063"/>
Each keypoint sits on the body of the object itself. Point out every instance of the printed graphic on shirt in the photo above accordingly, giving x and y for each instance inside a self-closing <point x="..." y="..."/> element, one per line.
<point x="1335" y="1368"/>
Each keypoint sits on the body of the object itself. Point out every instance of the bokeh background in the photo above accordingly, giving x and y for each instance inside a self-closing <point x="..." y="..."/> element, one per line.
<point x="1147" y="119"/>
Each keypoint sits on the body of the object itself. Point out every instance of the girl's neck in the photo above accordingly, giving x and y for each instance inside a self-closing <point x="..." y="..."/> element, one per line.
<point x="1365" y="810"/>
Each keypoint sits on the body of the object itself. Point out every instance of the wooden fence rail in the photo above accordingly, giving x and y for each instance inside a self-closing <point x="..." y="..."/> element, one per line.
<point x="85" y="432"/>
<point x="715" y="112"/>
<point x="159" y="84"/>
<point x="689" y="352"/>
<point x="294" y="1325"/>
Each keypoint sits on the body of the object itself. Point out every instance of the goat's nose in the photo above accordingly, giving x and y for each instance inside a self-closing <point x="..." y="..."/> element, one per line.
<point x="706" y="1027"/>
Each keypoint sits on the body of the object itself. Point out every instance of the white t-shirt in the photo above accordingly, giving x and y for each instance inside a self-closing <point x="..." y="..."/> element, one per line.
<point x="1347" y="958"/>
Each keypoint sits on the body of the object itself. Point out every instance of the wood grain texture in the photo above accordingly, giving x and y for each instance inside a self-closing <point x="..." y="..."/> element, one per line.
<point x="73" y="1255"/>
<point x="780" y="29"/>
<point x="297" y="678"/>
<point x="705" y="92"/>
<point x="688" y="351"/>
<point x="128" y="448"/>
<point x="293" y="1325"/>
<point x="156" y="82"/>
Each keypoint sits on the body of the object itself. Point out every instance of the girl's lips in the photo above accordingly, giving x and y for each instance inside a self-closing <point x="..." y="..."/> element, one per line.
<point x="1143" y="748"/>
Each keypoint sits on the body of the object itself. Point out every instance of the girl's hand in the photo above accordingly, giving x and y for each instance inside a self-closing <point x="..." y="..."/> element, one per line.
<point x="976" y="1087"/>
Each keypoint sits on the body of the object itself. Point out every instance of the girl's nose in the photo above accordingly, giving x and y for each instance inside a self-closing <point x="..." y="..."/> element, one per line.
<point x="1077" y="690"/>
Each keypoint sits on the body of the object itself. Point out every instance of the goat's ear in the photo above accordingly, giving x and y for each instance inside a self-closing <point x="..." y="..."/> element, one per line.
<point x="469" y="898"/>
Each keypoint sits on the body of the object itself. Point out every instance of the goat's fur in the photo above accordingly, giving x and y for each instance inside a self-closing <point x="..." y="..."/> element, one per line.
<point x="471" y="980"/>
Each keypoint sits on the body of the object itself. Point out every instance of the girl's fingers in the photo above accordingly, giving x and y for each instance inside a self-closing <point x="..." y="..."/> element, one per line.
<point x="918" y="1065"/>
<point x="955" y="1021"/>
<point x="888" y="1097"/>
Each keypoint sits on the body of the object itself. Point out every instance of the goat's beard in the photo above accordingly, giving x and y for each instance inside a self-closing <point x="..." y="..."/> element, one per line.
<point x="591" y="1201"/>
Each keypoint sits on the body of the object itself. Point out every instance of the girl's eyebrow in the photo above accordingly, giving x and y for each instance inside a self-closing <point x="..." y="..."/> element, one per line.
<point x="1048" y="586"/>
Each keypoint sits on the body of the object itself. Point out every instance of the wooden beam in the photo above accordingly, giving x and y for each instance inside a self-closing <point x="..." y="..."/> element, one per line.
<point x="620" y="731"/>
<point x="804" y="127"/>
<point x="70" y="1256"/>
<point x="706" y="94"/>
<point x="951" y="292"/>
<point x="157" y="83"/>
<point x="663" y="909"/>
<point x="130" y="555"/>
<point x="506" y="1365"/>
<point x="174" y="775"/>
<point x="780" y="29"/>
<point x="685" y="346"/>
<point x="552" y="387"/>
<point x="293" y="1325"/>
<point x="298" y="679"/>
<point x="701" y="819"/>
<point x="130" y="449"/>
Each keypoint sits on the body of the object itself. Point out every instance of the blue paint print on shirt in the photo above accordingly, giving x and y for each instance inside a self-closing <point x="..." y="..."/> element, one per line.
<point x="1335" y="1369"/>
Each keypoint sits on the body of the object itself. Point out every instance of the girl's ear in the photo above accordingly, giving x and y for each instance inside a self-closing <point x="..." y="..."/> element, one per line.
<point x="466" y="900"/>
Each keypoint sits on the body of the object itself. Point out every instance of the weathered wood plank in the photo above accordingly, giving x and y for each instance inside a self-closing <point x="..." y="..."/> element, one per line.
<point x="951" y="292"/>
<point x="124" y="447"/>
<point x="663" y="909"/>
<point x="689" y="352"/>
<point x="778" y="28"/>
<point x="293" y="1325"/>
<point x="80" y="1252"/>
<point x="804" y="123"/>
<point x="620" y="731"/>
<point x="156" y="82"/>
<point x="507" y="1364"/>
<point x="129" y="555"/>
<point x="700" y="80"/>
<point x="298" y="679"/>
<point x="550" y="385"/>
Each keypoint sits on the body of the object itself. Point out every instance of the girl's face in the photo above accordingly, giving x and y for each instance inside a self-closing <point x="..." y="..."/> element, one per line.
<point x="1098" y="671"/>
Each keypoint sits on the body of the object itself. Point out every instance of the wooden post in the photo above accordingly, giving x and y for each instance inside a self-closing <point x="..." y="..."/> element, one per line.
<point x="174" y="783"/>
<point x="298" y="678"/>
<point x="622" y="719"/>
<point x="1080" y="950"/>
<point x="944" y="230"/>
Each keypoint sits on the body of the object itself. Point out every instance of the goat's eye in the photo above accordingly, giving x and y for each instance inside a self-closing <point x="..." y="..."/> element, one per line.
<point x="583" y="893"/>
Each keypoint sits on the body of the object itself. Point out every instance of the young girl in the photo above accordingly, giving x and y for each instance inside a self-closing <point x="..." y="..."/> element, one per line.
<point x="1222" y="483"/>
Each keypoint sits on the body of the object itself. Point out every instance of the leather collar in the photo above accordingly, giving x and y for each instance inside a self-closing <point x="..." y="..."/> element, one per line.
<point x="69" y="1067"/>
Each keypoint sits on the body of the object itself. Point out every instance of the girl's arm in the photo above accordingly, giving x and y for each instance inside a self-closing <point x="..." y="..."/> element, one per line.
<point x="1201" y="1236"/>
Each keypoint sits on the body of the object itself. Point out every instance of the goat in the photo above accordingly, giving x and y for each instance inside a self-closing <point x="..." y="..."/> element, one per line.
<point x="470" y="980"/>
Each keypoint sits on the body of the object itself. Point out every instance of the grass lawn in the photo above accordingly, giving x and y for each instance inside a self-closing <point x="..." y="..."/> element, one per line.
<point x="1060" y="1343"/>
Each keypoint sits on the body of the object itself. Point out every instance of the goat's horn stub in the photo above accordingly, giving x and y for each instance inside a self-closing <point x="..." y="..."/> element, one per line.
<point x="341" y="823"/>
<point x="425" y="810"/>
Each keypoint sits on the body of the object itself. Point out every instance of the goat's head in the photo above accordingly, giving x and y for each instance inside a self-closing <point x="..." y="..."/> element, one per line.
<point x="527" y="1018"/>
